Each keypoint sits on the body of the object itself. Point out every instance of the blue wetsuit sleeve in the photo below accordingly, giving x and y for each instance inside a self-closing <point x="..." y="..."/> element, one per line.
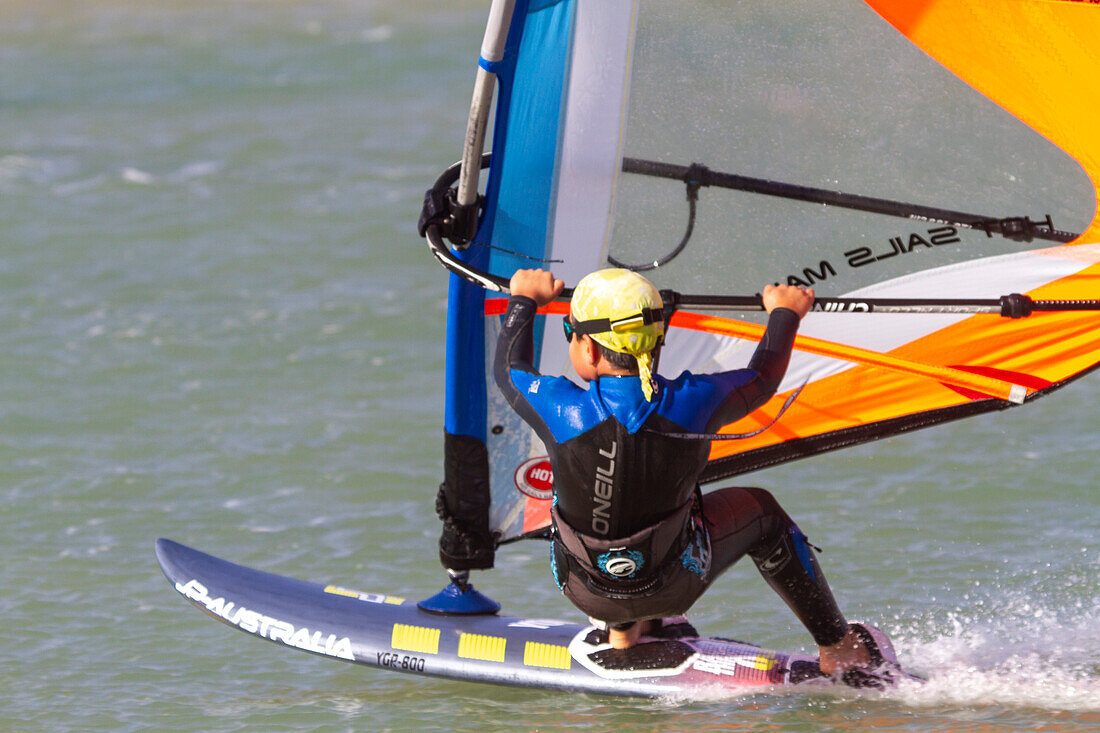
<point x="765" y="372"/>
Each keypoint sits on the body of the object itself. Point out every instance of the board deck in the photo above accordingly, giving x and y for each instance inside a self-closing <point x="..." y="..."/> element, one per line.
<point x="393" y="633"/>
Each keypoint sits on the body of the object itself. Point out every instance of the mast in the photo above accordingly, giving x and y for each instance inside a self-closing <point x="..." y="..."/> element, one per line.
<point x="465" y="542"/>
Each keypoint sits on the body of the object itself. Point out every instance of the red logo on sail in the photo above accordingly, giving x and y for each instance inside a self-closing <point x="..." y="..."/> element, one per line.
<point x="535" y="478"/>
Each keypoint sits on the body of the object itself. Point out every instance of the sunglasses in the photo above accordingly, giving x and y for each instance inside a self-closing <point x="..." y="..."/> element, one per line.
<point x="569" y="330"/>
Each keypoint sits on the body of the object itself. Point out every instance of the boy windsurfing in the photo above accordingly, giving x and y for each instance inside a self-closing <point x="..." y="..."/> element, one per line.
<point x="634" y="540"/>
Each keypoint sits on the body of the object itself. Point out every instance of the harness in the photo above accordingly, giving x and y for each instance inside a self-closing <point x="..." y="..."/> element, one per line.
<point x="627" y="567"/>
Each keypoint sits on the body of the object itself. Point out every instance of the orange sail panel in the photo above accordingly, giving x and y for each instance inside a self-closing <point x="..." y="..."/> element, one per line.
<point x="1040" y="352"/>
<point x="982" y="384"/>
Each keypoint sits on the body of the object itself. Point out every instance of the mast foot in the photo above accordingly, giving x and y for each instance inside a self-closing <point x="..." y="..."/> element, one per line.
<point x="459" y="598"/>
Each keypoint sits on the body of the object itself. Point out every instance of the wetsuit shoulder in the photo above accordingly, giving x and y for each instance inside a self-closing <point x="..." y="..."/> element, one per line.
<point x="704" y="402"/>
<point x="555" y="407"/>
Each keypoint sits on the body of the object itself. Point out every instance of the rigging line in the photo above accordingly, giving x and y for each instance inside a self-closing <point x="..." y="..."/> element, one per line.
<point x="1021" y="229"/>
<point x="738" y="436"/>
<point x="692" y="198"/>
<point x="496" y="248"/>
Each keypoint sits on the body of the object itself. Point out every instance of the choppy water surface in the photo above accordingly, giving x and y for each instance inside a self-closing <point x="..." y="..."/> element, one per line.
<point x="217" y="324"/>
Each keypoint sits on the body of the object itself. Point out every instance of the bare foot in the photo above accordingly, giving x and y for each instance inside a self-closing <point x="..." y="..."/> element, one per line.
<point x="848" y="653"/>
<point x="628" y="637"/>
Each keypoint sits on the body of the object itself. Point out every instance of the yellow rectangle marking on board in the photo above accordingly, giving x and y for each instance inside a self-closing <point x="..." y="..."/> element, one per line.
<point x="485" y="648"/>
<point x="536" y="654"/>
<point x="394" y="601"/>
<point x="337" y="590"/>
<point x="764" y="664"/>
<point x="415" y="639"/>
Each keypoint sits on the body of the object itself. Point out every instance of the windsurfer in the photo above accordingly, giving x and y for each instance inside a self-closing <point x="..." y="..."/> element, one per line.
<point x="635" y="541"/>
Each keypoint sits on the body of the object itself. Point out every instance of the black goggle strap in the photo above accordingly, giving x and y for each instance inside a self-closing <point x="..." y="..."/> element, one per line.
<point x="602" y="325"/>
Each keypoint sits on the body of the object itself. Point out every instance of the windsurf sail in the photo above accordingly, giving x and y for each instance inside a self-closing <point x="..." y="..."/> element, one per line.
<point x="722" y="146"/>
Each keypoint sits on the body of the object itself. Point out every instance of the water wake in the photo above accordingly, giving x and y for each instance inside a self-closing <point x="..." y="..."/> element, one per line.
<point x="1026" y="656"/>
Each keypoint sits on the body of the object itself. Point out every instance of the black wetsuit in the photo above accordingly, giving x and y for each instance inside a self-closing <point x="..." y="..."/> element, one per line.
<point x="633" y="538"/>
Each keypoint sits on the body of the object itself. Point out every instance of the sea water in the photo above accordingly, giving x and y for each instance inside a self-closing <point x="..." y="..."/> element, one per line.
<point x="217" y="324"/>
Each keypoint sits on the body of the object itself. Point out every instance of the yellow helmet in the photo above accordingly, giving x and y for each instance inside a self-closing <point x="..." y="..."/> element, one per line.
<point x="623" y="311"/>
